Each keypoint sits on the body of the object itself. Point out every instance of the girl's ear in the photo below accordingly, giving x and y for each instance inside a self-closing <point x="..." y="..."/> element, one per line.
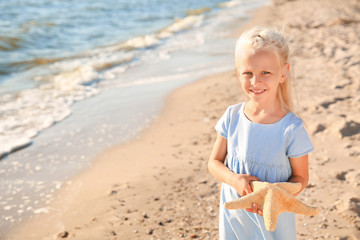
<point x="286" y="71"/>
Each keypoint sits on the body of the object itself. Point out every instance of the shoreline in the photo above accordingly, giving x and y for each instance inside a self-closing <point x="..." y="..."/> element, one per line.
<point x="180" y="198"/>
<point x="126" y="192"/>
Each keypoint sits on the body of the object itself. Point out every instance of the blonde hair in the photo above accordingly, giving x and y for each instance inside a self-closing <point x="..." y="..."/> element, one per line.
<point x="269" y="38"/>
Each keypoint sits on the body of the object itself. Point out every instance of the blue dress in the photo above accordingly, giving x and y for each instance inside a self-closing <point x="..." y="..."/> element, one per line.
<point x="261" y="150"/>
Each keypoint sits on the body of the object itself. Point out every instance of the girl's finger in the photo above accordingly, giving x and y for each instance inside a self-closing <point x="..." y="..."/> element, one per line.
<point x="248" y="189"/>
<point x="253" y="178"/>
<point x="255" y="207"/>
<point x="260" y="212"/>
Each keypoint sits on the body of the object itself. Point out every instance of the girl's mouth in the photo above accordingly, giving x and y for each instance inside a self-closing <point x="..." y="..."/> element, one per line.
<point x="258" y="91"/>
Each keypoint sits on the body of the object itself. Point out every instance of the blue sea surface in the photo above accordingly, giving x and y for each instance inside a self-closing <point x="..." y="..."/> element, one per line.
<point x="54" y="53"/>
<point x="36" y="32"/>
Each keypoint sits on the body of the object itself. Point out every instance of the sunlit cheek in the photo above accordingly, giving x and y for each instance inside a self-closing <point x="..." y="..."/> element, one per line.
<point x="246" y="78"/>
<point x="244" y="82"/>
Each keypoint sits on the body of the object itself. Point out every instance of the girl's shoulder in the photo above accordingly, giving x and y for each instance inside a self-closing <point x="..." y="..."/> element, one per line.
<point x="235" y="108"/>
<point x="232" y="113"/>
<point x="292" y="120"/>
<point x="293" y="125"/>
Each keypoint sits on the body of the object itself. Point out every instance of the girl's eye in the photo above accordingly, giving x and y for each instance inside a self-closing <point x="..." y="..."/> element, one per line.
<point x="265" y="72"/>
<point x="247" y="73"/>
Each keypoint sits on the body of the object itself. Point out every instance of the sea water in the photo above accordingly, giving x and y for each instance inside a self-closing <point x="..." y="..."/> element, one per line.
<point x="117" y="60"/>
<point x="53" y="53"/>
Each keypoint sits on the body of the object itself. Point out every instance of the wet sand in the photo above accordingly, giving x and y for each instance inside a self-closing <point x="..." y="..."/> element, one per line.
<point x="158" y="186"/>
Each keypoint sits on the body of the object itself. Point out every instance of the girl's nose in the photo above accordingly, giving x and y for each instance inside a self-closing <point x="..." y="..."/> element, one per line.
<point x="254" y="80"/>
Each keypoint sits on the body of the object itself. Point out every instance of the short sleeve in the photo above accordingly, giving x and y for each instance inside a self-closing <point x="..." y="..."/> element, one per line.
<point x="299" y="143"/>
<point x="222" y="125"/>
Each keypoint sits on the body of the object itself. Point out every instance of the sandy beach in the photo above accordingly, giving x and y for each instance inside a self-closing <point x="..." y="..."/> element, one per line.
<point x="158" y="186"/>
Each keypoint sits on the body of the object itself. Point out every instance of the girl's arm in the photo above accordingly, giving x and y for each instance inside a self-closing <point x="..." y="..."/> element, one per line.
<point x="241" y="182"/>
<point x="300" y="171"/>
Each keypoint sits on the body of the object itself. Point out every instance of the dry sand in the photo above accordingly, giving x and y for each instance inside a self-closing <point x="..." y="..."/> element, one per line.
<point x="158" y="186"/>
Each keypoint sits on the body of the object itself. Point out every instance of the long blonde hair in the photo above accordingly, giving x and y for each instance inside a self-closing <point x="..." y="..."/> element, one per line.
<point x="269" y="38"/>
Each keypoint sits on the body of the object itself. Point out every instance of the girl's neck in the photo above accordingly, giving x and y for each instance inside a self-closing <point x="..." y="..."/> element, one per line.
<point x="264" y="113"/>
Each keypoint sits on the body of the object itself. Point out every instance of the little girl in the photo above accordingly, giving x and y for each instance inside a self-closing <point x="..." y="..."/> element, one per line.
<point x="262" y="138"/>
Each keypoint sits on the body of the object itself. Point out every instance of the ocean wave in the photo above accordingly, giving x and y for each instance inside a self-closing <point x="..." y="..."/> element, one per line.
<point x="24" y="115"/>
<point x="182" y="24"/>
<point x="9" y="43"/>
<point x="26" y="27"/>
<point x="153" y="39"/>
<point x="198" y="11"/>
<point x="229" y="4"/>
<point x="145" y="41"/>
<point x="66" y="80"/>
<point x="28" y="64"/>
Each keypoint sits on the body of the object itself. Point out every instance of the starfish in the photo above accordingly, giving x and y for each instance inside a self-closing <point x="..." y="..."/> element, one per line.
<point x="273" y="199"/>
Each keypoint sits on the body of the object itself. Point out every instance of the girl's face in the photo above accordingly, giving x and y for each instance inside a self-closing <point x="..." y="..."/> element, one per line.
<point x="260" y="74"/>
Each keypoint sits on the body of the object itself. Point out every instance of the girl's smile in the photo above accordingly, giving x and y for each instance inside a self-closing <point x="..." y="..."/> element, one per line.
<point x="257" y="92"/>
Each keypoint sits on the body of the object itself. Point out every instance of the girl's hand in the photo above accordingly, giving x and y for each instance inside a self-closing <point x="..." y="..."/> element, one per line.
<point x="241" y="183"/>
<point x="255" y="209"/>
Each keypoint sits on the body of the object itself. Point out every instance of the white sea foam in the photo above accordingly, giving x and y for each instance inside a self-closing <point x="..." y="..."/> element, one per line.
<point x="24" y="115"/>
<point x="154" y="39"/>
<point x="229" y="4"/>
<point x="142" y="41"/>
<point x="181" y="24"/>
